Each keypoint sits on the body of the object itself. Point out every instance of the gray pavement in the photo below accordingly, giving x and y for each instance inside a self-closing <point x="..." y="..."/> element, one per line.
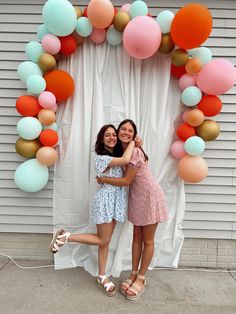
<point x="74" y="291"/>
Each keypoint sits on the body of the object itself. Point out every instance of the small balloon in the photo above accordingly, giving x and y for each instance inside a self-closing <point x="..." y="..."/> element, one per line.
<point x="138" y="8"/>
<point x="46" y="116"/>
<point x="35" y="84"/>
<point x="208" y="130"/>
<point x="98" y="36"/>
<point x="27" y="68"/>
<point x="191" y="96"/>
<point x="113" y="37"/>
<point x="210" y="105"/>
<point x="100" y="13"/>
<point x="177" y="149"/>
<point x="84" y="27"/>
<point x="46" y="156"/>
<point x="33" y="50"/>
<point x="164" y="19"/>
<point x="51" y="44"/>
<point x="27" y="106"/>
<point x="47" y="62"/>
<point x="202" y="53"/>
<point x="120" y="21"/>
<point x="42" y="31"/>
<point x="194" y="145"/>
<point x="193" y="66"/>
<point x="184" y="131"/>
<point x="48" y="137"/>
<point x="68" y="45"/>
<point x="179" y="57"/>
<point x="187" y="80"/>
<point x="195" y="117"/>
<point x="27" y="148"/>
<point x="167" y="44"/>
<point x="29" y="128"/>
<point x="47" y="100"/>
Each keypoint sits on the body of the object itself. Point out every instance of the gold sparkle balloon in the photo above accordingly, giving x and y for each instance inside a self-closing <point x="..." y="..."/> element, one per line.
<point x="120" y="21"/>
<point x="78" y="12"/>
<point x="47" y="62"/>
<point x="180" y="57"/>
<point x="208" y="130"/>
<point x="27" y="148"/>
<point x="167" y="44"/>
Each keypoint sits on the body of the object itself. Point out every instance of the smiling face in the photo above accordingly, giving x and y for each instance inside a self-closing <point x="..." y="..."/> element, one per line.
<point x="110" y="139"/>
<point x="126" y="133"/>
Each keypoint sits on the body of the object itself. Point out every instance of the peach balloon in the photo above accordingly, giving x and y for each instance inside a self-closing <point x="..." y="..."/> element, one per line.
<point x="193" y="66"/>
<point x="192" y="169"/>
<point x="100" y="13"/>
<point x="195" y="117"/>
<point x="46" y="156"/>
<point x="46" y="116"/>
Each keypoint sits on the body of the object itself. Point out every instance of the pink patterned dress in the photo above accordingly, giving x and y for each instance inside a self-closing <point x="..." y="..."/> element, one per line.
<point x="146" y="198"/>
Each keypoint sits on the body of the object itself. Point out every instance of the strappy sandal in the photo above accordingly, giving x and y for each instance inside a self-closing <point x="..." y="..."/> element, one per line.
<point x="136" y="289"/>
<point x="107" y="286"/>
<point x="59" y="234"/>
<point x="127" y="283"/>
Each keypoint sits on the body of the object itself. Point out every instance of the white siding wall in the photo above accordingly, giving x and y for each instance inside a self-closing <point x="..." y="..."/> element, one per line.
<point x="211" y="204"/>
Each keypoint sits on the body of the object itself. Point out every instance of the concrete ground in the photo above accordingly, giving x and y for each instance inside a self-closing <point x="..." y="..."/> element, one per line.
<point x="74" y="291"/>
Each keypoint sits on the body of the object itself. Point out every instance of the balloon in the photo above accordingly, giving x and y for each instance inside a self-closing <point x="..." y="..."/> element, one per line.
<point x="27" y="106"/>
<point x="194" y="117"/>
<point x="47" y="62"/>
<point x="60" y="83"/>
<point x="51" y="44"/>
<point x="26" y="148"/>
<point x="120" y="21"/>
<point x="184" y="131"/>
<point x="208" y="130"/>
<point x="138" y="8"/>
<point x="35" y="84"/>
<point x="191" y="96"/>
<point x="193" y="66"/>
<point x="194" y="145"/>
<point x="179" y="57"/>
<point x="47" y="100"/>
<point x="31" y="176"/>
<point x="29" y="128"/>
<point x="210" y="105"/>
<point x="52" y="126"/>
<point x="27" y="68"/>
<point x="184" y="115"/>
<point x="192" y="169"/>
<point x="59" y="17"/>
<point x="46" y="116"/>
<point x="202" y="53"/>
<point x="177" y="149"/>
<point x="68" y="45"/>
<point x="100" y="13"/>
<point x="191" y="26"/>
<point x="125" y="7"/>
<point x="142" y="37"/>
<point x="217" y="77"/>
<point x="33" y="50"/>
<point x="187" y="80"/>
<point x="164" y="19"/>
<point x="84" y="27"/>
<point x="177" y="71"/>
<point x="113" y="37"/>
<point x="54" y="108"/>
<point x="42" y="31"/>
<point x="98" y="35"/>
<point x="78" y="12"/>
<point x="48" y="137"/>
<point x="46" y="156"/>
<point x="85" y="12"/>
<point x="167" y="44"/>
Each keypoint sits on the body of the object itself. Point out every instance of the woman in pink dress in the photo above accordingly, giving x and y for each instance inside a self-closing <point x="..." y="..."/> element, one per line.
<point x="146" y="208"/>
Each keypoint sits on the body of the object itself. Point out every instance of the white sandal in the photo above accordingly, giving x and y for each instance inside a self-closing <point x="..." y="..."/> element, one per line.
<point x="59" y="234"/>
<point x="136" y="289"/>
<point x="107" y="286"/>
<point x="127" y="283"/>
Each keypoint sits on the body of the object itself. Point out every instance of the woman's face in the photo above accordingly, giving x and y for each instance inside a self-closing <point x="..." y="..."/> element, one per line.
<point x="110" y="138"/>
<point x="126" y="133"/>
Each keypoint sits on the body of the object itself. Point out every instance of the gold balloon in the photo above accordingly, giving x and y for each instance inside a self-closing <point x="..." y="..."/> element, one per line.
<point x="26" y="148"/>
<point x="47" y="62"/>
<point x="180" y="57"/>
<point x="78" y="12"/>
<point x="167" y="44"/>
<point x="120" y="21"/>
<point x="208" y="130"/>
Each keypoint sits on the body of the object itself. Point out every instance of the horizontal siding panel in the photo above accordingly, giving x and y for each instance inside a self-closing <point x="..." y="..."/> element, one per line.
<point x="9" y="174"/>
<point x="9" y="184"/>
<point x="212" y="234"/>
<point x="211" y="198"/>
<point x="210" y="207"/>
<point x="202" y="189"/>
<point x="29" y="220"/>
<point x="26" y="211"/>
<point x="219" y="154"/>
<point x="18" y="193"/>
<point x="223" y="145"/>
<point x="211" y="180"/>
<point x="229" y="163"/>
<point x="212" y="216"/>
<point x="23" y="201"/>
<point x="208" y="225"/>
<point x="26" y="228"/>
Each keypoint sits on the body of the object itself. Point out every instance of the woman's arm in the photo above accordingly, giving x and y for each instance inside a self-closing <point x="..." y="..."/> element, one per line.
<point x="125" y="181"/>
<point x="125" y="159"/>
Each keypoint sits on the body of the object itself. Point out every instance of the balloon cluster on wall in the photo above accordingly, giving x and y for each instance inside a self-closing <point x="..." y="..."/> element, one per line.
<point x="65" y="27"/>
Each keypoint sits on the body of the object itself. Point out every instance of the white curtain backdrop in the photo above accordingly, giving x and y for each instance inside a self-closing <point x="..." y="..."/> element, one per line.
<point x="111" y="86"/>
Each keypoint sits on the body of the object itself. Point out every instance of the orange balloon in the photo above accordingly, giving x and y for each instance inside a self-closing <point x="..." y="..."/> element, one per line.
<point x="191" y="26"/>
<point x="46" y="156"/>
<point x="60" y="83"/>
<point x="48" y="137"/>
<point x="210" y="105"/>
<point x="100" y="13"/>
<point x="194" y="117"/>
<point x="46" y="116"/>
<point x="193" y="66"/>
<point x="192" y="169"/>
<point x="184" y="131"/>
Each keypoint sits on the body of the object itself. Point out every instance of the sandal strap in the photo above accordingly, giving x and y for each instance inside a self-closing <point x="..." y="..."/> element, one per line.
<point x="102" y="278"/>
<point x="141" y="277"/>
<point x="134" y="272"/>
<point x="135" y="288"/>
<point x="64" y="235"/>
<point x="108" y="285"/>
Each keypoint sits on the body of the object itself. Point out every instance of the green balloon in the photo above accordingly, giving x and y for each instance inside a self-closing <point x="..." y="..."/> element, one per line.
<point x="42" y="31"/>
<point x="31" y="176"/>
<point x="52" y="126"/>
<point x="29" y="128"/>
<point x="84" y="27"/>
<point x="138" y="8"/>
<point x="113" y="37"/>
<point x="27" y="68"/>
<point x="34" y="50"/>
<point x="35" y="84"/>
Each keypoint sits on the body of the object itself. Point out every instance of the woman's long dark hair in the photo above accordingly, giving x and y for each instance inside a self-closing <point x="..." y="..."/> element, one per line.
<point x="99" y="145"/>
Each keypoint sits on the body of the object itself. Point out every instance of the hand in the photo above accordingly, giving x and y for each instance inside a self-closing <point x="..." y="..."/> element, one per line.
<point x="138" y="141"/>
<point x="99" y="180"/>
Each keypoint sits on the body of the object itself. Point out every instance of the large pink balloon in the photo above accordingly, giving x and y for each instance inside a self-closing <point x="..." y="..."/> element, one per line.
<point x="100" y="13"/>
<point x="192" y="169"/>
<point x="142" y="37"/>
<point x="217" y="77"/>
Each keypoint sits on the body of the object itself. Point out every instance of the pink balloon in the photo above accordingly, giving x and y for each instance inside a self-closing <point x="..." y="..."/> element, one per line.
<point x="192" y="169"/>
<point x="177" y="149"/>
<point x="187" y="80"/>
<point x="98" y="36"/>
<point x="47" y="100"/>
<point x="51" y="44"/>
<point x="142" y="37"/>
<point x="125" y="7"/>
<point x="100" y="13"/>
<point x="217" y="77"/>
<point x="184" y="115"/>
<point x="54" y="108"/>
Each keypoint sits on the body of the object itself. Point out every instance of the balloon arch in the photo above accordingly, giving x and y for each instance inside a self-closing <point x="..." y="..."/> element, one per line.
<point x="201" y="79"/>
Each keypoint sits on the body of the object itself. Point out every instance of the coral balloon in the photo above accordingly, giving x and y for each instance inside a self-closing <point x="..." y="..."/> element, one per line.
<point x="120" y="21"/>
<point x="100" y="13"/>
<point x="187" y="80"/>
<point x="47" y="62"/>
<point x="167" y="44"/>
<point x="192" y="169"/>
<point x="98" y="36"/>
<point x="184" y="131"/>
<point x="208" y="130"/>
<point x="177" y="71"/>
<point x="179" y="57"/>
<point x="48" y="137"/>
<point x="193" y="66"/>
<point x="68" y="45"/>
<point x="46" y="156"/>
<point x="191" y="26"/>
<point x="27" y="106"/>
<point x="177" y="149"/>
<point x="210" y="105"/>
<point x="26" y="148"/>
<point x="60" y="83"/>
<point x="195" y="117"/>
<point x="46" y="116"/>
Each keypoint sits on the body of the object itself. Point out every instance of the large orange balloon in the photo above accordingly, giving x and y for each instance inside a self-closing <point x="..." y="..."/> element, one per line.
<point x="60" y="83"/>
<point x="191" y="26"/>
<point x="192" y="169"/>
<point x="100" y="13"/>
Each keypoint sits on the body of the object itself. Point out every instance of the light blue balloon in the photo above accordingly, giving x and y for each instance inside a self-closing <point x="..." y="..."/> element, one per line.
<point x="35" y="84"/>
<point x="27" y="68"/>
<point x="59" y="17"/>
<point x="83" y="27"/>
<point x="113" y="37"/>
<point x="31" y="176"/>
<point x="52" y="126"/>
<point x="164" y="19"/>
<point x="42" y="31"/>
<point x="29" y="128"/>
<point x="202" y="53"/>
<point x="34" y="50"/>
<point x="194" y="145"/>
<point x="138" y="8"/>
<point x="191" y="96"/>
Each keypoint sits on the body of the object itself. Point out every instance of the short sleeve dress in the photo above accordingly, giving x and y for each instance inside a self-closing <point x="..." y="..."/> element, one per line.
<point x="110" y="202"/>
<point x="146" y="198"/>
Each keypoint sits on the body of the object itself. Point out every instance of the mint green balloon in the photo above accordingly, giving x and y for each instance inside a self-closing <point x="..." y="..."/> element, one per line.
<point x="27" y="68"/>
<point x="194" y="145"/>
<point x="29" y="128"/>
<point x="113" y="37"/>
<point x="31" y="176"/>
<point x="42" y="31"/>
<point x="52" y="126"/>
<point x="164" y="19"/>
<point x="202" y="53"/>
<point x="34" y="50"/>
<point x="138" y="8"/>
<point x="59" y="17"/>
<point x="191" y="96"/>
<point x="84" y="27"/>
<point x="35" y="84"/>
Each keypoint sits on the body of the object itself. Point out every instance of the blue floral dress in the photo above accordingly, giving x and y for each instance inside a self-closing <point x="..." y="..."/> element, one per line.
<point x="110" y="202"/>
